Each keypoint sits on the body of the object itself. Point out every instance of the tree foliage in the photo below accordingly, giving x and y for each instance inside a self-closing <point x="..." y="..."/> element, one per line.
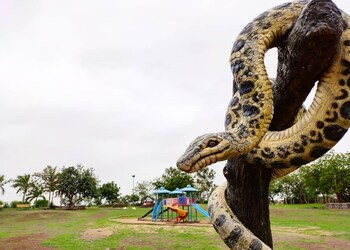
<point x="88" y="184"/>
<point x="204" y="180"/>
<point x="172" y="179"/>
<point x="143" y="189"/>
<point x="110" y="192"/>
<point x="3" y="182"/>
<point x="22" y="184"/>
<point x="330" y="175"/>
<point x="49" y="177"/>
<point x="36" y="190"/>
<point x="76" y="184"/>
<point x="335" y="176"/>
<point x="275" y="190"/>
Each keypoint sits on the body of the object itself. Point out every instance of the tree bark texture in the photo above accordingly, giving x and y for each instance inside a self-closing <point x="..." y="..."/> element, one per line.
<point x="303" y="54"/>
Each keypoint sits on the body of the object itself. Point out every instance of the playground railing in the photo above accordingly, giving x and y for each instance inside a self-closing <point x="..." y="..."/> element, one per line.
<point x="185" y="201"/>
<point x="170" y="201"/>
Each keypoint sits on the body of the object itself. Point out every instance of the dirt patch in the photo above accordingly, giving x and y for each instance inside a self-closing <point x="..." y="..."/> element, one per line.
<point x="131" y="241"/>
<point x="336" y="244"/>
<point x="276" y="212"/>
<point x="97" y="233"/>
<point x="306" y="241"/>
<point x="95" y="217"/>
<point x="99" y="215"/>
<point x="26" y="242"/>
<point x="40" y="215"/>
<point x="306" y="231"/>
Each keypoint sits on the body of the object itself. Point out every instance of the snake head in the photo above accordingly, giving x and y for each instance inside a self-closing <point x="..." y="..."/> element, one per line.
<point x="205" y="150"/>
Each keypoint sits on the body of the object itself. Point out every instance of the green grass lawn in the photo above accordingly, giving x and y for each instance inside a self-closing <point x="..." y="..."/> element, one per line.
<point x="293" y="226"/>
<point x="312" y="219"/>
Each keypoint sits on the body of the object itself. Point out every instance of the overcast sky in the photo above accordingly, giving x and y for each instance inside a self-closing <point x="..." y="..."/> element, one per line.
<point x="119" y="86"/>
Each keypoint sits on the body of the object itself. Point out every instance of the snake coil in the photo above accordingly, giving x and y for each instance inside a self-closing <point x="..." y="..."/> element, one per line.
<point x="251" y="110"/>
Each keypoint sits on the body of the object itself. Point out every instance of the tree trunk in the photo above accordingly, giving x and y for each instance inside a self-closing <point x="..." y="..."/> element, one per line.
<point x="302" y="59"/>
<point x="339" y="197"/>
<point x="48" y="205"/>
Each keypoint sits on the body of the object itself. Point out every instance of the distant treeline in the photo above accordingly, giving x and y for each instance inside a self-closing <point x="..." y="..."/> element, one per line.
<point x="325" y="180"/>
<point x="77" y="184"/>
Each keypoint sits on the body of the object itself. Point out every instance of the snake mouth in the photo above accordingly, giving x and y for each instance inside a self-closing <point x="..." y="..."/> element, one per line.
<point x="205" y="160"/>
<point x="205" y="150"/>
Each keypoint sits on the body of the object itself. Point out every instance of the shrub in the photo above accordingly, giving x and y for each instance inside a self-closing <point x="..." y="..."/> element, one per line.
<point x="13" y="204"/>
<point x="41" y="203"/>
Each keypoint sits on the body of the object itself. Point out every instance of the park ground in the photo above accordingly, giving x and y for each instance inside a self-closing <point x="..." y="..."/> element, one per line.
<point x="294" y="227"/>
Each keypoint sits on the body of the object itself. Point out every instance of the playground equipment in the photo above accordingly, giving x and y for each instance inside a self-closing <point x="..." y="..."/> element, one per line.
<point x="184" y="205"/>
<point x="173" y="205"/>
<point x="158" y="208"/>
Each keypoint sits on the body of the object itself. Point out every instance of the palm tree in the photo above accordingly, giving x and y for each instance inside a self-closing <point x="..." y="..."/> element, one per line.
<point x="22" y="183"/>
<point x="2" y="183"/>
<point x="49" y="176"/>
<point x="35" y="191"/>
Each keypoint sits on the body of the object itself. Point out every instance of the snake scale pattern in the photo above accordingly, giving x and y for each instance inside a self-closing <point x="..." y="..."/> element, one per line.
<point x="250" y="113"/>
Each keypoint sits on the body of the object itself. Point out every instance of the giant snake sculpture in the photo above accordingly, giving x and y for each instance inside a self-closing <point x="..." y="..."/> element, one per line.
<point x="251" y="110"/>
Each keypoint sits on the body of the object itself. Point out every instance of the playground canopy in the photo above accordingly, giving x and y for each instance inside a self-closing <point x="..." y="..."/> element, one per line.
<point x="189" y="188"/>
<point x="161" y="190"/>
<point x="177" y="191"/>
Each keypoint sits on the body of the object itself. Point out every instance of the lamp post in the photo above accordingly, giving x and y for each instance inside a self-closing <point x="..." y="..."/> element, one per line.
<point x="133" y="184"/>
<point x="133" y="188"/>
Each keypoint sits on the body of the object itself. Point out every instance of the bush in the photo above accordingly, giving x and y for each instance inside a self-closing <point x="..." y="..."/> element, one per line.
<point x="41" y="203"/>
<point x="13" y="204"/>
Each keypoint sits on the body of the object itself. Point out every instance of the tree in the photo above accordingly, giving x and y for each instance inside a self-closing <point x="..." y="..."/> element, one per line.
<point x="275" y="189"/>
<point x="143" y="189"/>
<point x="293" y="189"/>
<point x="328" y="175"/>
<point x="68" y="184"/>
<point x="110" y="192"/>
<point x="88" y="184"/>
<point x="49" y="176"/>
<point x="125" y="199"/>
<point x="172" y="179"/>
<point x="98" y="199"/>
<point x="335" y="174"/>
<point x="3" y="182"/>
<point x="22" y="184"/>
<point x="134" y="198"/>
<point x="204" y="180"/>
<point x="311" y="175"/>
<point x="76" y="184"/>
<point x="35" y="191"/>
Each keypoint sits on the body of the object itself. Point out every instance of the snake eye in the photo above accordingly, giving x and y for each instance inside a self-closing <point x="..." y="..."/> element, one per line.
<point x="212" y="143"/>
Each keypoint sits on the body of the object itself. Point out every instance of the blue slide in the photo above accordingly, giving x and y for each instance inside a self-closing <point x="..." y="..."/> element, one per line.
<point x="155" y="211"/>
<point x="201" y="210"/>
